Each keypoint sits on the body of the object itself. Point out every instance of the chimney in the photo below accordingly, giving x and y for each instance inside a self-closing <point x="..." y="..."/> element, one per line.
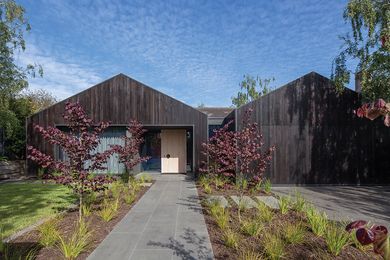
<point x="358" y="82"/>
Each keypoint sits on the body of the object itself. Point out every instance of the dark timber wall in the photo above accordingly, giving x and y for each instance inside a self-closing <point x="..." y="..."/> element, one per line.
<point x="118" y="100"/>
<point x="318" y="138"/>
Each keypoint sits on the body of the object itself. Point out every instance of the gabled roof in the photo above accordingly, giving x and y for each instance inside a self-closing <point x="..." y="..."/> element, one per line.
<point x="216" y="112"/>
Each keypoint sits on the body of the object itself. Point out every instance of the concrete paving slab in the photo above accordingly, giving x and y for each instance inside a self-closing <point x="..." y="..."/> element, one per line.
<point x="270" y="201"/>
<point x="220" y="199"/>
<point x="370" y="203"/>
<point x="247" y="201"/>
<point x="166" y="223"/>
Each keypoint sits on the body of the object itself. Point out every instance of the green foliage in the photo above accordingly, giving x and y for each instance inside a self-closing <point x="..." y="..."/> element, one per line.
<point x="274" y="246"/>
<point x="250" y="255"/>
<point x="230" y="238"/>
<point x="267" y="185"/>
<point x="264" y="214"/>
<point x="222" y="218"/>
<point x="369" y="45"/>
<point x="284" y="204"/>
<point x="78" y="242"/>
<point x="336" y="239"/>
<point x="318" y="222"/>
<point x="241" y="184"/>
<point x="134" y="184"/>
<point x="129" y="197"/>
<point x="143" y="178"/>
<point x="294" y="233"/>
<point x="299" y="203"/>
<point x="90" y="198"/>
<point x="219" y="181"/>
<point x="251" y="88"/>
<point x="116" y="189"/>
<point x="252" y="227"/>
<point x="86" y="210"/>
<point x="48" y="233"/>
<point x="108" y="211"/>
<point x="207" y="188"/>
<point x="13" y="78"/>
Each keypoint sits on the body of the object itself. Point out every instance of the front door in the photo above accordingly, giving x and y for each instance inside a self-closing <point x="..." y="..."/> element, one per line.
<point x="173" y="151"/>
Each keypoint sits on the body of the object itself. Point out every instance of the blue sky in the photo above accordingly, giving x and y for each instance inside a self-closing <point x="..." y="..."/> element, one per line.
<point x="196" y="51"/>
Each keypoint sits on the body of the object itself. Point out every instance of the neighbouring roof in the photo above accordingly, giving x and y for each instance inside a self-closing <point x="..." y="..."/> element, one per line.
<point x="216" y="112"/>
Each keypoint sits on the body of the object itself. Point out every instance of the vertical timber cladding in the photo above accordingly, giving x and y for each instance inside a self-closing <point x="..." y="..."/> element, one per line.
<point x="118" y="100"/>
<point x="318" y="138"/>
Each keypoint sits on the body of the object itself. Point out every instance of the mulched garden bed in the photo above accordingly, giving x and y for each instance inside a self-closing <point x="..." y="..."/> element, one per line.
<point x="23" y="244"/>
<point x="312" y="247"/>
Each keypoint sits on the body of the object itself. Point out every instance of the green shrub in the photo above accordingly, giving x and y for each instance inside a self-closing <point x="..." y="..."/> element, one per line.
<point x="294" y="233"/>
<point x="215" y="208"/>
<point x="299" y="203"/>
<point x="230" y="238"/>
<point x="222" y="218"/>
<point x="267" y="185"/>
<point x="203" y="180"/>
<point x="86" y="210"/>
<point x="90" y="198"/>
<point x="129" y="197"/>
<point x="116" y="189"/>
<point x="77" y="243"/>
<point x="274" y="246"/>
<point x="48" y="233"/>
<point x="336" y="239"/>
<point x="242" y="205"/>
<point x="144" y="177"/>
<point x="107" y="212"/>
<point x="318" y="222"/>
<point x="250" y="255"/>
<point x="219" y="181"/>
<point x="207" y="188"/>
<point x="264" y="213"/>
<point x="252" y="227"/>
<point x="284" y="204"/>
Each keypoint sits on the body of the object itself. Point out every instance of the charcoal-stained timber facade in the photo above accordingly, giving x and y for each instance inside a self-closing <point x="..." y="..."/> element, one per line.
<point x="318" y="138"/>
<point x="118" y="100"/>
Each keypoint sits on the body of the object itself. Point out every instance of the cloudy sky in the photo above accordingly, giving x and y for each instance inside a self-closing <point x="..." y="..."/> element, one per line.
<point x="196" y="51"/>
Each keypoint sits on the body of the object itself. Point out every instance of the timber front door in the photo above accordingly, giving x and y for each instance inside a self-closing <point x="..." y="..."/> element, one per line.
<point x="173" y="151"/>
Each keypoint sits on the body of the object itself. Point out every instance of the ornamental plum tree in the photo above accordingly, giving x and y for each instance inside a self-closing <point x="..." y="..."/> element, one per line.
<point x="231" y="153"/>
<point x="129" y="153"/>
<point x="80" y="145"/>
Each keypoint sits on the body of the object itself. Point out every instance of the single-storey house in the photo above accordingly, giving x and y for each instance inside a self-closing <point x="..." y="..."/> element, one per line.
<point x="318" y="138"/>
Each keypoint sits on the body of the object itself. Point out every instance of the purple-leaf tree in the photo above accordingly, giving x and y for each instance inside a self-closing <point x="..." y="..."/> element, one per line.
<point x="79" y="144"/>
<point x="252" y="161"/>
<point x="129" y="152"/>
<point x="230" y="153"/>
<point x="221" y="152"/>
<point x="374" y="110"/>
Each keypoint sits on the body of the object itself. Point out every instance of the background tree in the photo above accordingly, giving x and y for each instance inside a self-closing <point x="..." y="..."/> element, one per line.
<point x="13" y="78"/>
<point x="80" y="145"/>
<point x="251" y="89"/>
<point x="39" y="99"/>
<point x="369" y="45"/>
<point x="129" y="152"/>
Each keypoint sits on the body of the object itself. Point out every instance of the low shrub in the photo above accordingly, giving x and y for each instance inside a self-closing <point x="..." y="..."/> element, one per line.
<point x="264" y="213"/>
<point x="86" y="210"/>
<point x="230" y="238"/>
<point x="250" y="255"/>
<point x="129" y="197"/>
<point x="336" y="239"/>
<point x="219" y="181"/>
<point x="251" y="227"/>
<point x="294" y="233"/>
<point x="107" y="212"/>
<point x="274" y="246"/>
<point x="77" y="243"/>
<point x="90" y="198"/>
<point x="284" y="204"/>
<point x="116" y="189"/>
<point x="144" y="178"/>
<point x="48" y="233"/>
<point x="207" y="188"/>
<point x="222" y="218"/>
<point x="318" y="222"/>
<point x="267" y="185"/>
<point x="299" y="203"/>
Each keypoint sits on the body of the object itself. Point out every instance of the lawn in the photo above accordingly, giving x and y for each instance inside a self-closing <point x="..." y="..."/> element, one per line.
<point x="23" y="204"/>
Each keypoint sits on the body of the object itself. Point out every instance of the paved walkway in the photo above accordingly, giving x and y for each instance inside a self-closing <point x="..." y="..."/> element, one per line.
<point x="347" y="202"/>
<point x="166" y="223"/>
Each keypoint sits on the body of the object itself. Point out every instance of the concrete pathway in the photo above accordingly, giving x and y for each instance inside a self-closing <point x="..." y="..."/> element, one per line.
<point x="166" y="223"/>
<point x="370" y="203"/>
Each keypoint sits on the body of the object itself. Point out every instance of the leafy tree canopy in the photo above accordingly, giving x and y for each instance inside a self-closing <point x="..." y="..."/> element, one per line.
<point x="369" y="44"/>
<point x="251" y="89"/>
<point x="13" y="78"/>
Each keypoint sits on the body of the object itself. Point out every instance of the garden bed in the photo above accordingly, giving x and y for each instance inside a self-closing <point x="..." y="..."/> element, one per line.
<point x="66" y="224"/>
<point x="273" y="233"/>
